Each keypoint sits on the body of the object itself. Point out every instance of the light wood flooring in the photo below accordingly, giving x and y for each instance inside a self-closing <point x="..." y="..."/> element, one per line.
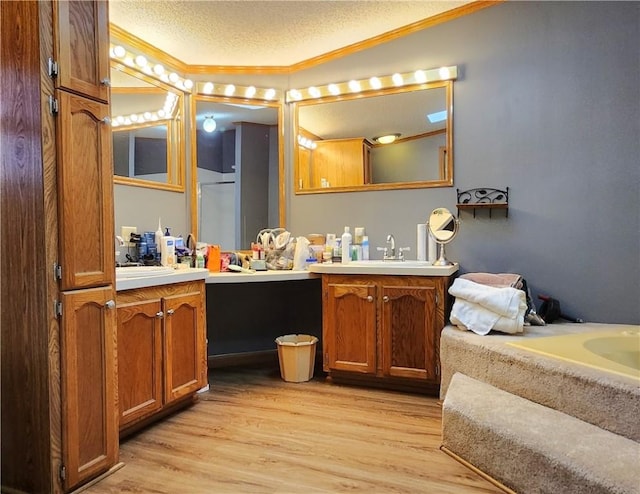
<point x="254" y="433"/>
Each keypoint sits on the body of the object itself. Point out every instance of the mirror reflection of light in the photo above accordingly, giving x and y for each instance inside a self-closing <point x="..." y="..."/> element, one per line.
<point x="230" y="89"/>
<point x="375" y="83"/>
<point x="209" y="124"/>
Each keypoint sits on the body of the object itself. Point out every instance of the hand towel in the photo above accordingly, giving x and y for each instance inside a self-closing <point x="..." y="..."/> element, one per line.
<point x="504" y="301"/>
<point x="474" y="317"/>
<point x="493" y="279"/>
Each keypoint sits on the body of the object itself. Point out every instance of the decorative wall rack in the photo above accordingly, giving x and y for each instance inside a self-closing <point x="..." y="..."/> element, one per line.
<point x="483" y="198"/>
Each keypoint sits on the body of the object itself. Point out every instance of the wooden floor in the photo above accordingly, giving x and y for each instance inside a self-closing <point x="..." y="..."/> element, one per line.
<point x="254" y="433"/>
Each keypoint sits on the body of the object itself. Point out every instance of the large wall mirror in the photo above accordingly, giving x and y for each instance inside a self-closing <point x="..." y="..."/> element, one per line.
<point x="237" y="165"/>
<point x="340" y="140"/>
<point x="147" y="124"/>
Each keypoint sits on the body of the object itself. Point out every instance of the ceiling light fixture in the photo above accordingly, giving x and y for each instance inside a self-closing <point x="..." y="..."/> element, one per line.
<point x="209" y="124"/>
<point x="386" y="139"/>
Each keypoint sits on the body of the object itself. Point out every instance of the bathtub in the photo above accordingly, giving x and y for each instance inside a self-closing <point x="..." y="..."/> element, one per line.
<point x="611" y="351"/>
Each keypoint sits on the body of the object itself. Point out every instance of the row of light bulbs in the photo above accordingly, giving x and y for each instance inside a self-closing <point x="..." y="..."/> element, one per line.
<point x="165" y="113"/>
<point x="374" y="83"/>
<point x="155" y="70"/>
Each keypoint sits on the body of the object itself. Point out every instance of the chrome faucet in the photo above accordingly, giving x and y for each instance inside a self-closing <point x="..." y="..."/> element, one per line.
<point x="390" y="251"/>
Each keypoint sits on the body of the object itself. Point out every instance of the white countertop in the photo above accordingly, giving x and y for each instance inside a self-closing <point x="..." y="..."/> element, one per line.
<point x="259" y="276"/>
<point x="406" y="268"/>
<point x="177" y="276"/>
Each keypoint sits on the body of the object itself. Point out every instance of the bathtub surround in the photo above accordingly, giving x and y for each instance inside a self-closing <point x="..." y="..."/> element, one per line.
<point x="537" y="423"/>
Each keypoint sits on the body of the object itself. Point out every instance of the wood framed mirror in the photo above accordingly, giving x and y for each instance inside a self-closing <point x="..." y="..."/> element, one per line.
<point x="336" y="146"/>
<point x="148" y="131"/>
<point x="237" y="169"/>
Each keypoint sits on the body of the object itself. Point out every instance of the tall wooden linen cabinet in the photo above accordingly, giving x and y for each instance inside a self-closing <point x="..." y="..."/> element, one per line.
<point x="59" y="404"/>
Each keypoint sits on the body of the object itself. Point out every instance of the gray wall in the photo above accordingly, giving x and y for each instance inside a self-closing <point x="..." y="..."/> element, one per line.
<point x="548" y="104"/>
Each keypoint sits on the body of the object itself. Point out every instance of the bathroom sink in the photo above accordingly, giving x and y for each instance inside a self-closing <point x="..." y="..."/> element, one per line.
<point x="142" y="271"/>
<point x="378" y="266"/>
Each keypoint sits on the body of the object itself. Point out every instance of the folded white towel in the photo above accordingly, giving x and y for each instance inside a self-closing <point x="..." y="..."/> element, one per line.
<point x="505" y="301"/>
<point x="474" y="317"/>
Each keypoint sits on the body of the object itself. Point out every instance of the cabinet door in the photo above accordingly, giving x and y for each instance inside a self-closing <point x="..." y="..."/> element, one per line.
<point x="350" y="327"/>
<point x="85" y="193"/>
<point x="88" y="378"/>
<point x="82" y="47"/>
<point x="184" y="345"/>
<point x="139" y="359"/>
<point x="409" y="346"/>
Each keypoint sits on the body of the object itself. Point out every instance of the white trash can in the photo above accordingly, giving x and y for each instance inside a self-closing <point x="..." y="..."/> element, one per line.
<point x="297" y="356"/>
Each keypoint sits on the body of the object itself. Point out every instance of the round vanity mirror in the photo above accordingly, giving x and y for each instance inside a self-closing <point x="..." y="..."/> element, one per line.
<point x="443" y="227"/>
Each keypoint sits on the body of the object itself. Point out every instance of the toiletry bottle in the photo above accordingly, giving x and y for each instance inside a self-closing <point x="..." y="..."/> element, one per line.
<point x="200" y="260"/>
<point x="158" y="235"/>
<point x="346" y="245"/>
<point x="365" y="248"/>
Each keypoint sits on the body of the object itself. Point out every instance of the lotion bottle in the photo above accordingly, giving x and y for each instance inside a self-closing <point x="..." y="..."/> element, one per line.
<point x="346" y="245"/>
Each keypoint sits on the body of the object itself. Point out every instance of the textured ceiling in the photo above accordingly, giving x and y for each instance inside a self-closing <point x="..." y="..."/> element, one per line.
<point x="264" y="33"/>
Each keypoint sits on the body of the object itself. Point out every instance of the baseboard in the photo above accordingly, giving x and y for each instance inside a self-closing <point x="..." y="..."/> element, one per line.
<point x="244" y="358"/>
<point x="488" y="478"/>
<point x="113" y="469"/>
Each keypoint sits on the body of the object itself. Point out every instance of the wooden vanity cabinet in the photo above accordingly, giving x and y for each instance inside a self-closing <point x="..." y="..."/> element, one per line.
<point x="384" y="330"/>
<point x="161" y="349"/>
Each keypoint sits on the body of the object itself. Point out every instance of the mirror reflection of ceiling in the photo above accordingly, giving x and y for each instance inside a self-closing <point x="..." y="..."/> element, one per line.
<point x="227" y="115"/>
<point x="388" y="115"/>
<point x="265" y="33"/>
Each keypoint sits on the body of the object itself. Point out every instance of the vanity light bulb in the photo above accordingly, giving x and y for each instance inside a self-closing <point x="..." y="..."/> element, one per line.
<point x="334" y="89"/>
<point x="354" y="86"/>
<point x="375" y="83"/>
<point x="158" y="69"/>
<point x="314" y="92"/>
<point x="161" y="113"/>
<point x="295" y="94"/>
<point x="229" y="90"/>
<point x="114" y="123"/>
<point x="208" y="88"/>
<point x="270" y="93"/>
<point x="120" y="119"/>
<point x="147" y="115"/>
<point x="420" y="76"/>
<point x="127" y="121"/>
<point x="250" y="92"/>
<point x="119" y="51"/>
<point x="128" y="61"/>
<point x="444" y="73"/>
<point x="164" y="78"/>
<point x="397" y="79"/>
<point x="188" y="83"/>
<point x="141" y="61"/>
<point x="133" y="117"/>
<point x="173" y="77"/>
